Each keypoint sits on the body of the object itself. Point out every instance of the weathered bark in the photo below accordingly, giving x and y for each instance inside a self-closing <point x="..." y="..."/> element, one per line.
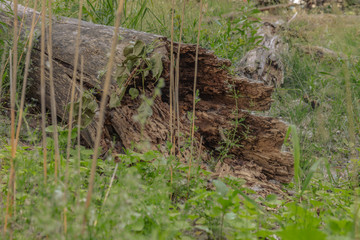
<point x="260" y="138"/>
<point x="264" y="63"/>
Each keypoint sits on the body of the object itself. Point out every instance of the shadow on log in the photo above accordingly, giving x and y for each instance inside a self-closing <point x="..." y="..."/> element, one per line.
<point x="257" y="158"/>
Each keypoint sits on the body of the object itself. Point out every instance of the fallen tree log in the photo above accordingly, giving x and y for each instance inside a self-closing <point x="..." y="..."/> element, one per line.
<point x="257" y="156"/>
<point x="263" y="63"/>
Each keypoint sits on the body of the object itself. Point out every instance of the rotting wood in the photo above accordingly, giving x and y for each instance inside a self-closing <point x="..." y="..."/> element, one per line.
<point x="263" y="63"/>
<point x="258" y="159"/>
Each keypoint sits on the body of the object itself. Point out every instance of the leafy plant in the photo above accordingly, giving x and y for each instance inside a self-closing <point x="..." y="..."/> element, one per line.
<point x="234" y="37"/>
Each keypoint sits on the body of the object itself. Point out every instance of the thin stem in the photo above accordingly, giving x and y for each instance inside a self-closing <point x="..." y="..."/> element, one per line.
<point x="111" y="182"/>
<point x="80" y="111"/>
<point x="26" y="74"/>
<point x="77" y="48"/>
<point x="171" y="89"/>
<point x="11" y="190"/>
<point x="194" y="90"/>
<point x="177" y="75"/>
<point x="68" y="146"/>
<point x="102" y="110"/>
<point x="52" y="97"/>
<point x="42" y="88"/>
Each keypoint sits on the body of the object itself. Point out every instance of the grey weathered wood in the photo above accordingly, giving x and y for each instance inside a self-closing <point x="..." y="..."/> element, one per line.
<point x="264" y="62"/>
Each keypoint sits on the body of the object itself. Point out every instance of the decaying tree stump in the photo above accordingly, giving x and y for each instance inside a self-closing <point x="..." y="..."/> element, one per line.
<point x="264" y="63"/>
<point x="257" y="157"/>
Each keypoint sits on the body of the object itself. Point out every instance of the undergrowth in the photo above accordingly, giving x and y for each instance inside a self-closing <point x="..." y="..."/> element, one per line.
<point x="137" y="197"/>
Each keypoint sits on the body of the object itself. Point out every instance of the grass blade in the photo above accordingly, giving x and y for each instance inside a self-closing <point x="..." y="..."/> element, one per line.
<point x="297" y="155"/>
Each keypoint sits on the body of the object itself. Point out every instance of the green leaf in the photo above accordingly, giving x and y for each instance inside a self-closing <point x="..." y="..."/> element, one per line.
<point x="271" y="197"/>
<point x="121" y="70"/>
<point x="139" y="48"/>
<point x="221" y="187"/>
<point x="161" y="83"/>
<point x="128" y="50"/>
<point x="134" y="93"/>
<point x="301" y="233"/>
<point x="87" y="118"/>
<point x="146" y="73"/>
<point x="121" y="79"/>
<point x="230" y="216"/>
<point x="157" y="65"/>
<point x="131" y="57"/>
<point x="138" y="225"/>
<point x="114" y="100"/>
<point x="250" y="200"/>
<point x="203" y="228"/>
<point x="309" y="176"/>
<point x="157" y="92"/>
<point x="50" y="129"/>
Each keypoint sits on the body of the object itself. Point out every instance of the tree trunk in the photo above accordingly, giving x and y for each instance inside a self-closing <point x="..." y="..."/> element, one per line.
<point x="257" y="157"/>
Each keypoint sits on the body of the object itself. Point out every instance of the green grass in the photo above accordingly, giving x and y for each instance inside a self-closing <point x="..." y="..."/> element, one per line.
<point x="313" y="96"/>
<point x="143" y="202"/>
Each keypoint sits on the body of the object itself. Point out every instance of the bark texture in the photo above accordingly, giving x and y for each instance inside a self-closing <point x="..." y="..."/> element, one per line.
<point x="257" y="157"/>
<point x="264" y="62"/>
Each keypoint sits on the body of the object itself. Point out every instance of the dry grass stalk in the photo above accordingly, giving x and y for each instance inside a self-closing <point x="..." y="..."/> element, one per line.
<point x="71" y="111"/>
<point x="80" y="111"/>
<point x="52" y="97"/>
<point x="26" y="73"/>
<point x="102" y="109"/>
<point x="177" y="76"/>
<point x="76" y="60"/>
<point x="171" y="88"/>
<point x="194" y="90"/>
<point x="79" y="125"/>
<point x="20" y="29"/>
<point x="111" y="183"/>
<point x="11" y="190"/>
<point x="22" y="22"/>
<point x="42" y="89"/>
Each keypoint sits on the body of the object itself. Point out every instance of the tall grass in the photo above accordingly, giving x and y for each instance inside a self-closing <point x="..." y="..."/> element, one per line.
<point x="130" y="199"/>
<point x="10" y="200"/>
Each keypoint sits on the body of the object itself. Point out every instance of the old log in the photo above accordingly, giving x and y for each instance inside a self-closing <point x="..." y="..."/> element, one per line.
<point x="263" y="63"/>
<point x="257" y="156"/>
